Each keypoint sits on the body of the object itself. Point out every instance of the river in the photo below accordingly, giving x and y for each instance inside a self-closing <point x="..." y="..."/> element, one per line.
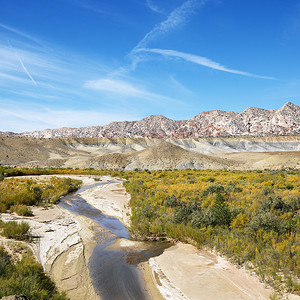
<point x="113" y="268"/>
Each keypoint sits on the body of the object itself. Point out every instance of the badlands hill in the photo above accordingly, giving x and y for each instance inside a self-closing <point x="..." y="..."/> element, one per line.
<point x="251" y="122"/>
<point x="144" y="153"/>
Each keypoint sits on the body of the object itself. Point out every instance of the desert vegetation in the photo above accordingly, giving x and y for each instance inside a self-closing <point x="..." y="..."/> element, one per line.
<point x="25" y="277"/>
<point x="18" y="194"/>
<point x="250" y="217"/>
<point x="14" y="230"/>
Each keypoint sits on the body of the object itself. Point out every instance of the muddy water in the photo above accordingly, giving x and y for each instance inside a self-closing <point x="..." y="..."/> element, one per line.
<point x="113" y="268"/>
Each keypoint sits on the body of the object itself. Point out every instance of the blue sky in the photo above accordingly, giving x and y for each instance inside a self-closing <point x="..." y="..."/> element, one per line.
<point x="89" y="62"/>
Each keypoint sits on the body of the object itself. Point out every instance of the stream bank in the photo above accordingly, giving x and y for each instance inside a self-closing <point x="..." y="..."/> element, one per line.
<point x="113" y="265"/>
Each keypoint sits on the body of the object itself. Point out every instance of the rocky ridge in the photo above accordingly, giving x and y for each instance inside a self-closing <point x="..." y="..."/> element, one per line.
<point x="252" y="122"/>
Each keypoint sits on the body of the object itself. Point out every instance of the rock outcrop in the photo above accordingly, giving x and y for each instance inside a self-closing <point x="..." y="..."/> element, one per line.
<point x="251" y="122"/>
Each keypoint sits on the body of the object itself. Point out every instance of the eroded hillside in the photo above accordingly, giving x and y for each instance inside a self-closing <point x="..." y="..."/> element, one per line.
<point x="129" y="153"/>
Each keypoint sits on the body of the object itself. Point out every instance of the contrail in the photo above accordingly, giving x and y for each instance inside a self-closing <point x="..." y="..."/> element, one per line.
<point x="22" y="64"/>
<point x="176" y="18"/>
<point x="200" y="60"/>
<point x="24" y="68"/>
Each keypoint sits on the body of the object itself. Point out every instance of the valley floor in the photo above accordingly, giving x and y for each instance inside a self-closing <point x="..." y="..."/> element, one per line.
<point x="181" y="272"/>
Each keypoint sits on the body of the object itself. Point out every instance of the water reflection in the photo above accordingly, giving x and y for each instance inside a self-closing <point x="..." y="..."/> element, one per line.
<point x="113" y="267"/>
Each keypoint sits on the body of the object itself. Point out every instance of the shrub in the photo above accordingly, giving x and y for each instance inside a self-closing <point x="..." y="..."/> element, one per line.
<point x="267" y="190"/>
<point x="25" y="277"/>
<point x="219" y="213"/>
<point x="180" y="215"/>
<point x="265" y="221"/>
<point x="4" y="260"/>
<point x="22" y="210"/>
<point x="213" y="188"/>
<point x="198" y="219"/>
<point x="14" y="230"/>
<point x="170" y="201"/>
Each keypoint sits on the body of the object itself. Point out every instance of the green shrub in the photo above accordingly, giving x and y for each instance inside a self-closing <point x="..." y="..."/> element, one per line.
<point x="22" y="210"/>
<point x="267" y="190"/>
<point x="198" y="219"/>
<point x="267" y="222"/>
<point x="219" y="213"/>
<point x="213" y="188"/>
<point x="4" y="261"/>
<point x="25" y="277"/>
<point x="14" y="230"/>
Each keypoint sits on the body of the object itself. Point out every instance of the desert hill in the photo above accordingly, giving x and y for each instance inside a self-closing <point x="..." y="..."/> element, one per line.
<point x="147" y="153"/>
<point x="163" y="155"/>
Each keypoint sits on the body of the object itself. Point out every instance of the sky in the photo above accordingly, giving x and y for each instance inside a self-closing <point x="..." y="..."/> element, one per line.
<point x="74" y="63"/>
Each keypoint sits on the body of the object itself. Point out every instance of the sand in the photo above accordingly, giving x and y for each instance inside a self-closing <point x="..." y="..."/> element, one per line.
<point x="111" y="198"/>
<point x="185" y="272"/>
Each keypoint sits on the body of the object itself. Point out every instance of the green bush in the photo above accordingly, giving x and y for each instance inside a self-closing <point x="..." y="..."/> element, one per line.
<point x="25" y="277"/>
<point x="267" y="190"/>
<point x="22" y="210"/>
<point x="267" y="222"/>
<point x="4" y="261"/>
<point x="213" y="188"/>
<point x="219" y="213"/>
<point x="14" y="230"/>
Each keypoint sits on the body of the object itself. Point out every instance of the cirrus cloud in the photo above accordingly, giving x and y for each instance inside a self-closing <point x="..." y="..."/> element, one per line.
<point x="200" y="60"/>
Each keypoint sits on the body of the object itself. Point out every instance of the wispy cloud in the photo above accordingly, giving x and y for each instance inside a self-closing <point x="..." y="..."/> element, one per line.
<point x="179" y="86"/>
<point x="19" y="32"/>
<point x="125" y="88"/>
<point x="53" y="70"/>
<point x="103" y="8"/>
<point x="114" y="86"/>
<point x="10" y="77"/>
<point x="200" y="60"/>
<point x="21" y="118"/>
<point x="23" y="66"/>
<point x="153" y="7"/>
<point x="178" y="17"/>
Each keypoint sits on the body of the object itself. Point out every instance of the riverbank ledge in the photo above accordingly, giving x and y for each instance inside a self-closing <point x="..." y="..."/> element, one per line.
<point x="63" y="244"/>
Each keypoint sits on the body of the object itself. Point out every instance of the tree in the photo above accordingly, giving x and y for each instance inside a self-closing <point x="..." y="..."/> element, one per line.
<point x="219" y="213"/>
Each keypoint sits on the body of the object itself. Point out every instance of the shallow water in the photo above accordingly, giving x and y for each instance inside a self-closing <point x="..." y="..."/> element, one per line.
<point x="113" y="268"/>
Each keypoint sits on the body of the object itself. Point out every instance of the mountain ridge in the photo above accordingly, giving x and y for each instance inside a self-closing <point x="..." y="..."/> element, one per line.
<point x="215" y="123"/>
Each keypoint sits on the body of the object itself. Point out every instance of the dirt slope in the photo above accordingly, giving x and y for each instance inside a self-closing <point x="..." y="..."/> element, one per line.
<point x="161" y="156"/>
<point x="130" y="153"/>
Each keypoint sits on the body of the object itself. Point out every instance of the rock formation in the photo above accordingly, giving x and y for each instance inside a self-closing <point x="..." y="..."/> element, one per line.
<point x="252" y="121"/>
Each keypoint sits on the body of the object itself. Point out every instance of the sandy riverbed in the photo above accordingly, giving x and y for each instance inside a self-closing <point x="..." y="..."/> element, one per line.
<point x="110" y="198"/>
<point x="185" y="272"/>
